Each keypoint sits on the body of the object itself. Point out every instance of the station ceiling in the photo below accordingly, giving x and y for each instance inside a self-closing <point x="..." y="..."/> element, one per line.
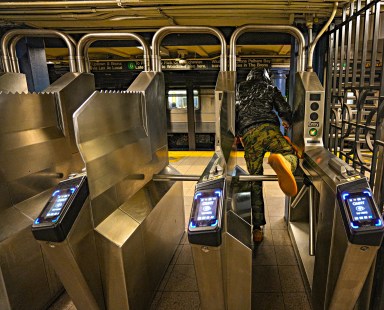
<point x="81" y="16"/>
<point x="96" y="15"/>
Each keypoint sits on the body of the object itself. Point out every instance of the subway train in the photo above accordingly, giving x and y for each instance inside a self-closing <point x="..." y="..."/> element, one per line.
<point x="124" y="185"/>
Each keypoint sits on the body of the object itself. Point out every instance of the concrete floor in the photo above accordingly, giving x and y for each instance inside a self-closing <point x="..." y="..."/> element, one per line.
<point x="276" y="279"/>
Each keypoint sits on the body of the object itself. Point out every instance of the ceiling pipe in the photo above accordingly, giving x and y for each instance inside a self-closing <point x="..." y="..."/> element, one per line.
<point x="267" y="28"/>
<point x="8" y="36"/>
<point x="163" y="32"/>
<point x="88" y="39"/>
<point x="313" y="44"/>
<point x="57" y="3"/>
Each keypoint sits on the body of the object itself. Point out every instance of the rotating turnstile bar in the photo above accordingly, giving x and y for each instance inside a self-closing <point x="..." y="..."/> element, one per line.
<point x="251" y="178"/>
<point x="175" y="177"/>
<point x="241" y="178"/>
<point x="299" y="196"/>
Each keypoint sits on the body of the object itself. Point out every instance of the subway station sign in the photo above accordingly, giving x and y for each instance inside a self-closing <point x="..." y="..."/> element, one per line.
<point x="132" y="65"/>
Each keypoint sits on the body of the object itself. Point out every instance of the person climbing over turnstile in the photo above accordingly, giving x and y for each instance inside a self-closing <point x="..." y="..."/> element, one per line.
<point x="257" y="126"/>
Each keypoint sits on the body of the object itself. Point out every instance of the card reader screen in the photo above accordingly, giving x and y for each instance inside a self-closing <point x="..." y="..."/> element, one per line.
<point x="207" y="209"/>
<point x="361" y="208"/>
<point x="57" y="202"/>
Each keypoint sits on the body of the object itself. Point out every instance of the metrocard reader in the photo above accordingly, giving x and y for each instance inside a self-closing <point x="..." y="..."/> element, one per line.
<point x="61" y="210"/>
<point x="361" y="215"/>
<point x="65" y="231"/>
<point x="205" y="222"/>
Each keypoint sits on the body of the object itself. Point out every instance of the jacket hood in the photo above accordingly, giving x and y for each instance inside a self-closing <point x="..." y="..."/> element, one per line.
<point x="260" y="74"/>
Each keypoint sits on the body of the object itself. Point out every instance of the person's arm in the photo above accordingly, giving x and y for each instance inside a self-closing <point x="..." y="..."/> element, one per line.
<point x="282" y="108"/>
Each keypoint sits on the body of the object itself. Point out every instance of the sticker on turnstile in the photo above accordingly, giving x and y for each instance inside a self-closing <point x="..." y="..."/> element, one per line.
<point x="205" y="208"/>
<point x="361" y="209"/>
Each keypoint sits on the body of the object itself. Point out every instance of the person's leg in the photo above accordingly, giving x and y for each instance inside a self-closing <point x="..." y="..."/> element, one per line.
<point x="282" y="159"/>
<point x="254" y="154"/>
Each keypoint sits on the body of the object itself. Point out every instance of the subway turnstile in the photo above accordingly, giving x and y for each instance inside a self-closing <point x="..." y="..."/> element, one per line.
<point x="334" y="223"/>
<point x="220" y="223"/>
<point x="346" y="231"/>
<point x="135" y="224"/>
<point x="38" y="151"/>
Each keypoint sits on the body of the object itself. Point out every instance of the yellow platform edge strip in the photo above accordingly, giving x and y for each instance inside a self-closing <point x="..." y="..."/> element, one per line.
<point x="178" y="154"/>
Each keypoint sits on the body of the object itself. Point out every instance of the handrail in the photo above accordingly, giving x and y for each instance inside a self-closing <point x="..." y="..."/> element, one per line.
<point x="163" y="32"/>
<point x="295" y="32"/>
<point x="12" y="51"/>
<point x="88" y="39"/>
<point x="13" y="56"/>
<point x="35" y="33"/>
<point x="313" y="44"/>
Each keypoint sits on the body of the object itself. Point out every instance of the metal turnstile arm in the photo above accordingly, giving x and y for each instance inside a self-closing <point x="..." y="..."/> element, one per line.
<point x="312" y="223"/>
<point x="312" y="212"/>
<point x="299" y="196"/>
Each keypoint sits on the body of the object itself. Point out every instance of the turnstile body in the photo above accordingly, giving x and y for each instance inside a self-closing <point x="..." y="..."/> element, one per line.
<point x="348" y="231"/>
<point x="135" y="224"/>
<point x="221" y="244"/>
<point x="335" y="250"/>
<point x="36" y="154"/>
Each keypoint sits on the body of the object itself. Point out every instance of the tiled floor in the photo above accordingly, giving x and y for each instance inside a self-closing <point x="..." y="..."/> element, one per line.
<point x="276" y="279"/>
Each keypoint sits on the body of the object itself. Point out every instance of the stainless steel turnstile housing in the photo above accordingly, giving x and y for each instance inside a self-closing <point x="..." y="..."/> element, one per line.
<point x="224" y="269"/>
<point x="334" y="264"/>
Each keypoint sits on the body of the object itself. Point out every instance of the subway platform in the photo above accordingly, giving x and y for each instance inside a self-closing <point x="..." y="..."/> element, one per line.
<point x="276" y="280"/>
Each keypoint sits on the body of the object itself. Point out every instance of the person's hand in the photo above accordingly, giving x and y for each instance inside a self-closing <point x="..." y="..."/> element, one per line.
<point x="239" y="140"/>
<point x="285" y="124"/>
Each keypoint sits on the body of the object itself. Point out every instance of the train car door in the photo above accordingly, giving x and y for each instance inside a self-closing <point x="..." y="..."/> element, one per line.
<point x="190" y="118"/>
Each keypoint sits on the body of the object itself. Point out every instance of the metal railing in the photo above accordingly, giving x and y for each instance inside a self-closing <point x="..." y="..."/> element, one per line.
<point x="355" y="92"/>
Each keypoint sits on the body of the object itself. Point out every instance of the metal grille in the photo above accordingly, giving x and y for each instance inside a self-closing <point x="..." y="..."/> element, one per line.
<point x="355" y="91"/>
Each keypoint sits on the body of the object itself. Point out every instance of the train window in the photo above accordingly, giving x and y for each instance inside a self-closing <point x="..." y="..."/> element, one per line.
<point x="177" y="99"/>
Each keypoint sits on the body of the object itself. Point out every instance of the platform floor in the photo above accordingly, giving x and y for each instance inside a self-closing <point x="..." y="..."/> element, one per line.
<point x="276" y="279"/>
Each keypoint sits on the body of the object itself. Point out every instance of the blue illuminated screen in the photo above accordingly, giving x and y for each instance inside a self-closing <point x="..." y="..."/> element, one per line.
<point x="207" y="209"/>
<point x="361" y="208"/>
<point x="57" y="202"/>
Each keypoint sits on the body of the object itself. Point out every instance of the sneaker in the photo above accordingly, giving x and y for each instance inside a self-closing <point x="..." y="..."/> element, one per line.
<point x="257" y="235"/>
<point x="285" y="177"/>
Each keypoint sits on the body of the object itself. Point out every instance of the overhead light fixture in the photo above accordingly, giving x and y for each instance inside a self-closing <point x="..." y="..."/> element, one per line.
<point x="126" y="17"/>
<point x="163" y="50"/>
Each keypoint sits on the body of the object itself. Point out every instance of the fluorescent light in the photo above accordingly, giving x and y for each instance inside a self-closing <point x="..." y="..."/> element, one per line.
<point x="125" y="17"/>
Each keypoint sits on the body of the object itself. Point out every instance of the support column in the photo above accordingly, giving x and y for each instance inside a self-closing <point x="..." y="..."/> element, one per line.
<point x="191" y="118"/>
<point x="33" y="63"/>
<point x="279" y="79"/>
